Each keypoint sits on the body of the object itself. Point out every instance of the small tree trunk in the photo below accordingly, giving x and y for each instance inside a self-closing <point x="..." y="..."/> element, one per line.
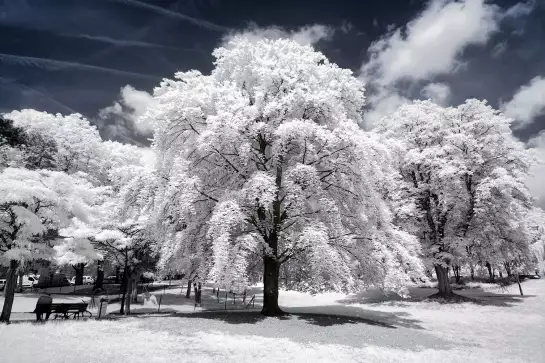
<point x="507" y="266"/>
<point x="99" y="282"/>
<point x="188" y="291"/>
<point x="128" y="295"/>
<point x="456" y="270"/>
<point x="21" y="274"/>
<point x="79" y="273"/>
<point x="124" y="287"/>
<point x="271" y="269"/>
<point x="490" y="273"/>
<point x="472" y="271"/>
<point x="443" y="282"/>
<point x="135" y="290"/>
<point x="520" y="286"/>
<point x="9" y="291"/>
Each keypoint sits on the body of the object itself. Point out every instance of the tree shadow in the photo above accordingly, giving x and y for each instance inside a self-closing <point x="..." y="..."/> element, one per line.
<point x="229" y="317"/>
<point x="341" y="314"/>
<point x="325" y="320"/>
<point x="477" y="296"/>
<point x="501" y="300"/>
<point x="375" y="318"/>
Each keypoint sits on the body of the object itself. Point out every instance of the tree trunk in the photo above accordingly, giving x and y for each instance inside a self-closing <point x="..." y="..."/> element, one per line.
<point x="129" y="280"/>
<point x="99" y="282"/>
<point x="472" y="271"/>
<point x="188" y="291"/>
<point x="507" y="266"/>
<point x="490" y="272"/>
<point x="456" y="270"/>
<point x="21" y="274"/>
<point x="9" y="291"/>
<point x="443" y="282"/>
<point x="518" y="282"/>
<point x="135" y="290"/>
<point x="124" y="287"/>
<point x="271" y="264"/>
<point x="271" y="271"/>
<point x="79" y="273"/>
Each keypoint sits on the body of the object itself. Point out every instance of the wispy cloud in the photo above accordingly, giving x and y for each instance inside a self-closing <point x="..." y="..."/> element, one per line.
<point x="57" y="65"/>
<point x="115" y="41"/>
<point x="174" y="15"/>
<point x="520" y="9"/>
<point x="13" y="83"/>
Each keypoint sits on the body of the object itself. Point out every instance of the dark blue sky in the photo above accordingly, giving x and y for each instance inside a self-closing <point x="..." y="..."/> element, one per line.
<point x="75" y="55"/>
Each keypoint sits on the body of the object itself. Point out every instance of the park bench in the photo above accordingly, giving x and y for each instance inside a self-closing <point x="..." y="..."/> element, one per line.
<point x="67" y="310"/>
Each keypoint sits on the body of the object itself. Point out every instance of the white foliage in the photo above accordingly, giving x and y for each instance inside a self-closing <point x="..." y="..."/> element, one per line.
<point x="263" y="158"/>
<point x="33" y="203"/>
<point x="463" y="173"/>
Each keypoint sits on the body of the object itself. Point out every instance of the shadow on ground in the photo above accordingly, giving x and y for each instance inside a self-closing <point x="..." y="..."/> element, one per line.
<point x="476" y="296"/>
<point x="376" y="318"/>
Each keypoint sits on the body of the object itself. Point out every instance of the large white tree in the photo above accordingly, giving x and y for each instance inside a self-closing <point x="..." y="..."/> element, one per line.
<point x="266" y="154"/>
<point x="464" y="170"/>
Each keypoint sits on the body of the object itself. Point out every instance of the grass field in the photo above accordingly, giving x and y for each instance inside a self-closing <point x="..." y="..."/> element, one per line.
<point x="367" y="327"/>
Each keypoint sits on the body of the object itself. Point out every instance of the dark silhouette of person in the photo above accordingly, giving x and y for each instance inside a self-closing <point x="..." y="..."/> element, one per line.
<point x="43" y="306"/>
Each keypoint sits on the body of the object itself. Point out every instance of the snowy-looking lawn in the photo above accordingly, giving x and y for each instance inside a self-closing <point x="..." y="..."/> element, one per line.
<point x="505" y="329"/>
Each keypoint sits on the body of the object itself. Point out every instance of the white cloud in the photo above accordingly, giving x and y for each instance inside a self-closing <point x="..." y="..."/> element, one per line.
<point x="131" y="106"/>
<point x="306" y="35"/>
<point x="528" y="103"/>
<point x="430" y="45"/>
<point x="432" y="42"/>
<point x="383" y="104"/>
<point x="438" y="92"/>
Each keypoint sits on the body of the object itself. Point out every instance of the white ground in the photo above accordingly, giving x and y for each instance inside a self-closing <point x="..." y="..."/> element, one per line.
<point x="507" y="329"/>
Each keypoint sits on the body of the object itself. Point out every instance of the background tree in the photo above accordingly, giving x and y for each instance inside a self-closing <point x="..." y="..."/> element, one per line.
<point x="33" y="206"/>
<point x="133" y="248"/>
<point x="78" y="253"/>
<point x="452" y="160"/>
